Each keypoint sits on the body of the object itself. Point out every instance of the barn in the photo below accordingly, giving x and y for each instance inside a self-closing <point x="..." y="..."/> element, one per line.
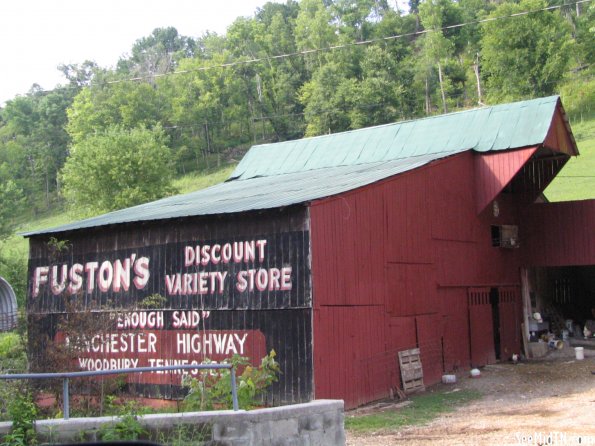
<point x="338" y="252"/>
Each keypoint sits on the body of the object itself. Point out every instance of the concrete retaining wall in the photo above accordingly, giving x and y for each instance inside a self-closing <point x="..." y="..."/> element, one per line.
<point x="319" y="422"/>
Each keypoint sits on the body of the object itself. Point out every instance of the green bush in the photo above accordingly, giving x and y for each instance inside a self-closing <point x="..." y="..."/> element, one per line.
<point x="213" y="390"/>
<point x="23" y="412"/>
<point x="127" y="428"/>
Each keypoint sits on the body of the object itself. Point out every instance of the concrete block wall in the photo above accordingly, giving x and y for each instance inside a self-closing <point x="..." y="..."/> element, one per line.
<point x="320" y="422"/>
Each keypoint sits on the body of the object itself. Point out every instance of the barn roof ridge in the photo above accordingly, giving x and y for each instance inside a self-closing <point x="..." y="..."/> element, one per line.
<point x="491" y="128"/>
<point x="316" y="171"/>
<point x="552" y="98"/>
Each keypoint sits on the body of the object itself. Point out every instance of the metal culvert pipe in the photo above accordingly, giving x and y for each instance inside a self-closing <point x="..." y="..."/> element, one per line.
<point x="8" y="306"/>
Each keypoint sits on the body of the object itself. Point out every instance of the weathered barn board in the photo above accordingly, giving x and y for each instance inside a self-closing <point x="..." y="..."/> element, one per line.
<point x="412" y="374"/>
<point x="230" y="286"/>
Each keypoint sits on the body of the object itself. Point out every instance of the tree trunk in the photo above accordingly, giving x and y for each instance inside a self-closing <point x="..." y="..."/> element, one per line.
<point x="442" y="87"/>
<point x="477" y="79"/>
<point x="427" y="97"/>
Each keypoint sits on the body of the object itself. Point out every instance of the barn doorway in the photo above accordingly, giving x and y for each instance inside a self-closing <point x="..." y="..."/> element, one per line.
<point x="494" y="303"/>
<point x="494" y="324"/>
<point x="564" y="296"/>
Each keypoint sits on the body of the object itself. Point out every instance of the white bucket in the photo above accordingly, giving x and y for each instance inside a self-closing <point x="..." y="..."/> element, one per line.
<point x="579" y="353"/>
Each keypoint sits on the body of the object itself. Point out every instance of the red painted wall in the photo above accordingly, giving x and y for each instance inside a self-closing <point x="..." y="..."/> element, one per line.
<point x="559" y="234"/>
<point x="391" y="267"/>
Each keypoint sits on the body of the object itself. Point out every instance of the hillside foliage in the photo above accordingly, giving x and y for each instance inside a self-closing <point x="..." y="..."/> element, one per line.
<point x="294" y="69"/>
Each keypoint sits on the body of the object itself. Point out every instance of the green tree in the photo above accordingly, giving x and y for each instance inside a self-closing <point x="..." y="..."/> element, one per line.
<point x="270" y="85"/>
<point x="524" y="56"/>
<point x="436" y="49"/>
<point x="33" y="141"/>
<point x="117" y="168"/>
<point x="12" y="200"/>
<point x="313" y="31"/>
<point x="380" y="96"/>
<point x="127" y="104"/>
<point x="158" y="53"/>
<point x="328" y="99"/>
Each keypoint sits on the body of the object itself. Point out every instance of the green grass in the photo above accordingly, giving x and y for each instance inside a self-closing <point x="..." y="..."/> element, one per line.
<point x="576" y="181"/>
<point x="423" y="409"/>
<point x="200" y="180"/>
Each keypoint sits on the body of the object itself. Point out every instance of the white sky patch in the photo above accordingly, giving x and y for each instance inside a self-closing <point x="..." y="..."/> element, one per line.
<point x="38" y="35"/>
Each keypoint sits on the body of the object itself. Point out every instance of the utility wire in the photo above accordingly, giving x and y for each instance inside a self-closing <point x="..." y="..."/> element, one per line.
<point x="329" y="110"/>
<point x="343" y="46"/>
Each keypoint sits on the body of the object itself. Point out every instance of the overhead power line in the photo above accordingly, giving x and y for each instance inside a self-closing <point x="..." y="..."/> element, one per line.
<point x="344" y="45"/>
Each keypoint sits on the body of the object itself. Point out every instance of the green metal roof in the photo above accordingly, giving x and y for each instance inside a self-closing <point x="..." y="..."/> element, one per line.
<point x="500" y="127"/>
<point x="293" y="172"/>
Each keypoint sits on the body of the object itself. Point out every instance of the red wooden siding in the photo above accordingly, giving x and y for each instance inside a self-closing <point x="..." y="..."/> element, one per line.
<point x="558" y="137"/>
<point x="408" y="222"/>
<point x="559" y="234"/>
<point x="510" y="321"/>
<point x="411" y="289"/>
<point x="349" y="359"/>
<point x="401" y="334"/>
<point x="493" y="171"/>
<point x="481" y="331"/>
<point x="349" y="235"/>
<point x="429" y="339"/>
<point x="403" y="254"/>
<point x="451" y="204"/>
<point x="456" y="328"/>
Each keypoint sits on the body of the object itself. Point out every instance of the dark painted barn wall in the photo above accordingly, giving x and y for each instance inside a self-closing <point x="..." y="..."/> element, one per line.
<point x="393" y="265"/>
<point x="257" y="321"/>
<point x="559" y="234"/>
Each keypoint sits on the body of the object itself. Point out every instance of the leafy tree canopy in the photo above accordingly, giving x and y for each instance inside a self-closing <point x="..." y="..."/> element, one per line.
<point x="525" y="56"/>
<point x="117" y="168"/>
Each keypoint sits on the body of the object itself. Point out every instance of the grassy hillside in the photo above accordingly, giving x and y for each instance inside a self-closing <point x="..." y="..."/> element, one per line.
<point x="18" y="246"/>
<point x="576" y="181"/>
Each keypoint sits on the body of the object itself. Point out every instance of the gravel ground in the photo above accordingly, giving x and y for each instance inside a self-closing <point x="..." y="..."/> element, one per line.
<point x="546" y="401"/>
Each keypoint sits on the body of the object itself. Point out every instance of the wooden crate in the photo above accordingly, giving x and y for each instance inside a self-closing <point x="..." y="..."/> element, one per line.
<point x="411" y="370"/>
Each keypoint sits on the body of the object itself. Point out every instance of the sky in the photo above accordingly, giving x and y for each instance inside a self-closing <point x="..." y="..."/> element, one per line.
<point x="38" y="35"/>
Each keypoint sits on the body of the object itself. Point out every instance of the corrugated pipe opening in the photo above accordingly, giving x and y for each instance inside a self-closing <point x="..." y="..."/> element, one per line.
<point x="8" y="306"/>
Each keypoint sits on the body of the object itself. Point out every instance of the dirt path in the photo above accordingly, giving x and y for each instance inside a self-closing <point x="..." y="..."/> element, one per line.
<point x="526" y="404"/>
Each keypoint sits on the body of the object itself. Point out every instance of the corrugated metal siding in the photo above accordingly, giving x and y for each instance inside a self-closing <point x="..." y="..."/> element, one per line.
<point x="559" y="234"/>
<point x="8" y="306"/>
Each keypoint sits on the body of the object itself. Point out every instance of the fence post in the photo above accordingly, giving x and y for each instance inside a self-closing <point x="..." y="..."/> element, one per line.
<point x="65" y="398"/>
<point x="234" y="390"/>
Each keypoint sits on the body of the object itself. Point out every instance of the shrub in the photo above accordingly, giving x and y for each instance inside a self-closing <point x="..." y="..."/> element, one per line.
<point x="210" y="391"/>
